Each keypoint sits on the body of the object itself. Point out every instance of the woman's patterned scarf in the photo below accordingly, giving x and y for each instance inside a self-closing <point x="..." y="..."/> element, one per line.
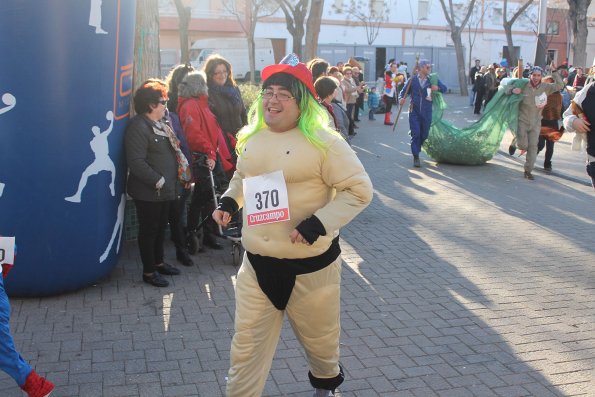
<point x="184" y="174"/>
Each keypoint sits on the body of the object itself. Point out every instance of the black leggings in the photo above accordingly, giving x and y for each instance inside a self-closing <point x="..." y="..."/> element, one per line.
<point x="152" y="221"/>
<point x="388" y="102"/>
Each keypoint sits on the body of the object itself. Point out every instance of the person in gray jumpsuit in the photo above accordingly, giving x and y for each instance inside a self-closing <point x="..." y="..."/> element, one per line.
<point x="534" y="94"/>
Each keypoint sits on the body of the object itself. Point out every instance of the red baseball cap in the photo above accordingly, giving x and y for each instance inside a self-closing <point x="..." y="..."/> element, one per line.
<point x="292" y="66"/>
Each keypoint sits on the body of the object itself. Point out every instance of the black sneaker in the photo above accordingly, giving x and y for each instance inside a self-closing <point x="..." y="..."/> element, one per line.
<point x="168" y="270"/>
<point x="547" y="169"/>
<point x="156" y="280"/>
<point x="511" y="149"/>
<point x="416" y="162"/>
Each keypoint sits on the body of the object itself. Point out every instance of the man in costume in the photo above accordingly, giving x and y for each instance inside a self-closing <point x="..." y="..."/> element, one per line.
<point x="298" y="183"/>
<point x="420" y="111"/>
<point x="578" y="118"/>
<point x="392" y="79"/>
<point x="534" y="95"/>
<point x="11" y="361"/>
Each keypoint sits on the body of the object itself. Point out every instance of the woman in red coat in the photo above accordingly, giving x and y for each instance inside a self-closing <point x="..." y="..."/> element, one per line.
<point x="209" y="149"/>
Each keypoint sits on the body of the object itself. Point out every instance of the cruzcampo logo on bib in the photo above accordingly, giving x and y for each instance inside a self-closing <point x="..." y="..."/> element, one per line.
<point x="265" y="199"/>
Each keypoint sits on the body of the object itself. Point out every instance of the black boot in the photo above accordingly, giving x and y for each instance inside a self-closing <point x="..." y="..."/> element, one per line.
<point x="184" y="257"/>
<point x="194" y="242"/>
<point x="211" y="241"/>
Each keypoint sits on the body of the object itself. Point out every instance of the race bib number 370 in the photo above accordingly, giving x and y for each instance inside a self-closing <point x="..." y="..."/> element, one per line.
<point x="265" y="199"/>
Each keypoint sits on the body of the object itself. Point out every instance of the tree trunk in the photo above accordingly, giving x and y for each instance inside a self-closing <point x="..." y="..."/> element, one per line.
<point x="455" y="34"/>
<point x="294" y="20"/>
<point x="298" y="36"/>
<point x="578" y="15"/>
<point x="146" y="44"/>
<point x="313" y="29"/>
<point x="184" y="15"/>
<point x="511" y="55"/>
<point x="251" y="57"/>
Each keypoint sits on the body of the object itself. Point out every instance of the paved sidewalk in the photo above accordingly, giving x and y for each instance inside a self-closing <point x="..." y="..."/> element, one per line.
<point x="458" y="281"/>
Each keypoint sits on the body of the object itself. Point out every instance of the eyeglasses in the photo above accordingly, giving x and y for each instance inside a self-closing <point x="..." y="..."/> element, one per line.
<point x="162" y="101"/>
<point x="282" y="97"/>
<point x="224" y="73"/>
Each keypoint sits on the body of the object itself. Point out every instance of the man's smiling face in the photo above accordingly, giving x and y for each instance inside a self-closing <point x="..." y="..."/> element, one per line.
<point x="281" y="111"/>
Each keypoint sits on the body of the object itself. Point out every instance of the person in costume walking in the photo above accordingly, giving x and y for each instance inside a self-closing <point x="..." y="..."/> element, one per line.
<point x="550" y="126"/>
<point x="534" y="95"/>
<point x="298" y="183"/>
<point x="420" y="112"/>
<point x="578" y="118"/>
<point x="392" y="79"/>
<point x="11" y="361"/>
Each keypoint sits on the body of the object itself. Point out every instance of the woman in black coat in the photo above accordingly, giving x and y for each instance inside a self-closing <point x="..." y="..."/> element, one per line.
<point x="156" y="166"/>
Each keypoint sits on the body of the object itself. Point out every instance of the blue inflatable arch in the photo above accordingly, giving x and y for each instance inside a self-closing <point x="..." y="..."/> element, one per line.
<point x="65" y="91"/>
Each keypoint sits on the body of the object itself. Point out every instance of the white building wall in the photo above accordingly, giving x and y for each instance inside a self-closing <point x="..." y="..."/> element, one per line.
<point x="402" y="19"/>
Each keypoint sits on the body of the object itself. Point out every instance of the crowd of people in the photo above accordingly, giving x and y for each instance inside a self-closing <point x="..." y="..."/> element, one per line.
<point x="285" y="166"/>
<point x="547" y="97"/>
<point x="294" y="146"/>
<point x="187" y="127"/>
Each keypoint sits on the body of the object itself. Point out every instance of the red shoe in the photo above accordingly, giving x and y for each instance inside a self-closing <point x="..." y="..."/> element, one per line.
<point x="36" y="386"/>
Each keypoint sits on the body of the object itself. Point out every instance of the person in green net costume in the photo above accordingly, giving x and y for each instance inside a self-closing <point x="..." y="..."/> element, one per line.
<point x="476" y="144"/>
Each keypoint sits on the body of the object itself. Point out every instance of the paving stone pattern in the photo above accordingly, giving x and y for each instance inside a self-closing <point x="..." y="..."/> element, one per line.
<point x="458" y="281"/>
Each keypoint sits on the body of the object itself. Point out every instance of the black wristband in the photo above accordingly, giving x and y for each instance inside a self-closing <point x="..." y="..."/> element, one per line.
<point x="228" y="204"/>
<point x="311" y="228"/>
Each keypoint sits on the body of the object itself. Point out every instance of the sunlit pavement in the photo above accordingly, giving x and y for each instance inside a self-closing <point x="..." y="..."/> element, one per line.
<point x="458" y="281"/>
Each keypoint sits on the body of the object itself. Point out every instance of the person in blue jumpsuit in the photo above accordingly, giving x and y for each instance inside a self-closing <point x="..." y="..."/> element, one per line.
<point x="11" y="361"/>
<point x="420" y="111"/>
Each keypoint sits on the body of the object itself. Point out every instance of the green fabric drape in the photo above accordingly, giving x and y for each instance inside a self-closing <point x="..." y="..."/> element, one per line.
<point x="479" y="142"/>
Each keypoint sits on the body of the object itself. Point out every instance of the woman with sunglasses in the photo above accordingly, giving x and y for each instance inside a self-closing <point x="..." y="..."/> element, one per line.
<point x="156" y="167"/>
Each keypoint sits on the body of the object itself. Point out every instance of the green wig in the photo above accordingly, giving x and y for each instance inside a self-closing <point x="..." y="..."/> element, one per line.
<point x="313" y="117"/>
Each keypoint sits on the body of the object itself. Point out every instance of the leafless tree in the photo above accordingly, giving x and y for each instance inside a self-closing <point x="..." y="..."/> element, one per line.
<point x="370" y="14"/>
<point x="248" y="13"/>
<point x="533" y="22"/>
<point x="453" y="15"/>
<point x="577" y="14"/>
<point x="313" y="28"/>
<point x="507" y="24"/>
<point x="473" y="27"/>
<point x="303" y="18"/>
<point x="295" y="12"/>
<point x="184" y="16"/>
